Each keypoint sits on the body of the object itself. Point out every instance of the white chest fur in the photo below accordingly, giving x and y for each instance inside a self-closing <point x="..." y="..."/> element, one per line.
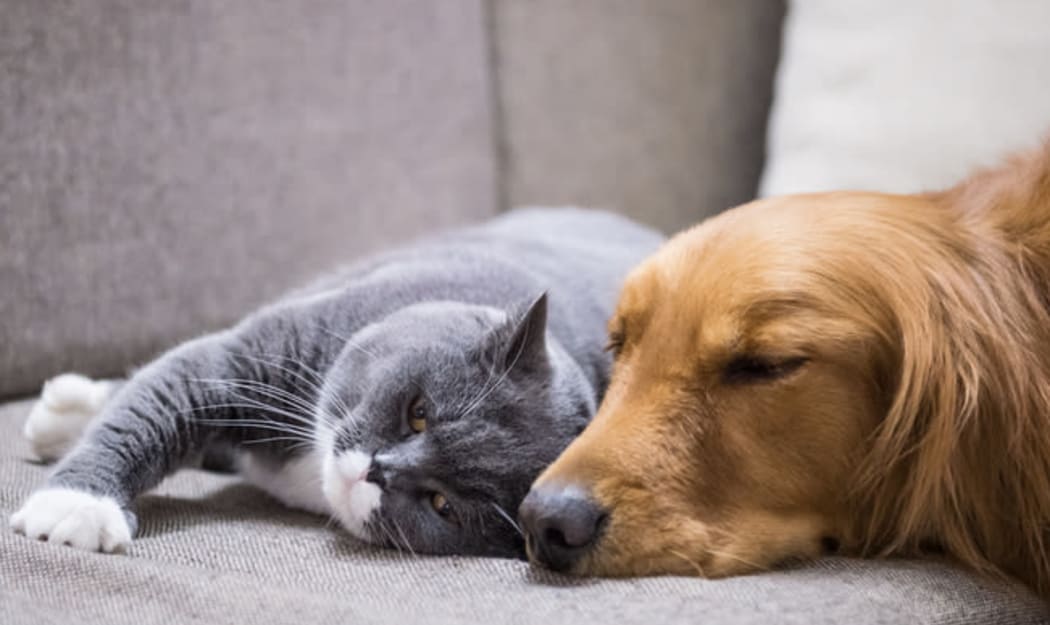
<point x="296" y="484"/>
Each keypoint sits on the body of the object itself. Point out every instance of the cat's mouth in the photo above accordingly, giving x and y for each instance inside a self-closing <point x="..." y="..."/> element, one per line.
<point x="353" y="499"/>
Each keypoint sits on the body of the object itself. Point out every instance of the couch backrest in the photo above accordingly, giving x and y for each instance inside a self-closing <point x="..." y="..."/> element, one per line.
<point x="655" y="108"/>
<point x="167" y="165"/>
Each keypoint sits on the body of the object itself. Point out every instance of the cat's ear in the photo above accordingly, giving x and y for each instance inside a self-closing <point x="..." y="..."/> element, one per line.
<point x="527" y="348"/>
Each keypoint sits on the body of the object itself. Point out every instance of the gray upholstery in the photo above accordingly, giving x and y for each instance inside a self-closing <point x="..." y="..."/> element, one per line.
<point x="214" y="551"/>
<point x="167" y="165"/>
<point x="656" y="108"/>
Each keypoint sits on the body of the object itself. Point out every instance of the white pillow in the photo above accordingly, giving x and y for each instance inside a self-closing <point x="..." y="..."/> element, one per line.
<point x="905" y="95"/>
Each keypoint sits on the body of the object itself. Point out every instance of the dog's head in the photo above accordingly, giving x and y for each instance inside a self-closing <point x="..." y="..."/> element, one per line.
<point x="795" y="374"/>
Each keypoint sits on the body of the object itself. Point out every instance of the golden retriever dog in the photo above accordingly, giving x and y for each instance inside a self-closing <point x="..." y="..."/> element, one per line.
<point x="858" y="372"/>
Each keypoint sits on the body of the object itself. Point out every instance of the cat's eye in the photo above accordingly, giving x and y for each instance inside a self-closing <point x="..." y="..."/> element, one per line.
<point x="440" y="504"/>
<point x="756" y="369"/>
<point x="417" y="415"/>
<point x="615" y="343"/>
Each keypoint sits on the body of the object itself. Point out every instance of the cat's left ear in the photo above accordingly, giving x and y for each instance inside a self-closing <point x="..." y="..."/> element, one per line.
<point x="527" y="348"/>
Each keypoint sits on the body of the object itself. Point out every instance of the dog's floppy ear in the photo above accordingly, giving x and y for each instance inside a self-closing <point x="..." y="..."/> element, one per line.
<point x="938" y="371"/>
<point x="955" y="456"/>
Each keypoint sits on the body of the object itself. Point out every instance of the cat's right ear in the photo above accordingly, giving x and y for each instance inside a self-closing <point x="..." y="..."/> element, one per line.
<point x="527" y="347"/>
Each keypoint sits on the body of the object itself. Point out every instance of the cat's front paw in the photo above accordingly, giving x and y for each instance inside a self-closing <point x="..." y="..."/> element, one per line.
<point x="70" y="517"/>
<point x="67" y="404"/>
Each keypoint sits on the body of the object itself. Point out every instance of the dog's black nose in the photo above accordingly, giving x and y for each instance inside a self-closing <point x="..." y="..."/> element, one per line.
<point x="560" y="524"/>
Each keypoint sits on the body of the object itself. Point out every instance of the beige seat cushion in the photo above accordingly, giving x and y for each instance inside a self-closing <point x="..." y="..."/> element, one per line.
<point x="211" y="550"/>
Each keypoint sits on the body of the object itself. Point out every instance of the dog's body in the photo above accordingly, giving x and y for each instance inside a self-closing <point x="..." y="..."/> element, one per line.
<point x="846" y="369"/>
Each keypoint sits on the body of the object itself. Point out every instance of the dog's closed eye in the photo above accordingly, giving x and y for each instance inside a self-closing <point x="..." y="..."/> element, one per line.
<point x="751" y="369"/>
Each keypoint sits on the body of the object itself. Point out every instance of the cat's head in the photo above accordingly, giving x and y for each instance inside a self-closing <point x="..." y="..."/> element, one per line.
<point x="434" y="422"/>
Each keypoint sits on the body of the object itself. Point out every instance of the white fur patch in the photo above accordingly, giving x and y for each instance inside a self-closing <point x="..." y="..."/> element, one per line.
<point x="67" y="404"/>
<point x="351" y="497"/>
<point x="296" y="484"/>
<point x="70" y="517"/>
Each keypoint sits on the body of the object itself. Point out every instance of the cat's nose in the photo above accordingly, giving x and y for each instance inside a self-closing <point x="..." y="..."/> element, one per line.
<point x="376" y="474"/>
<point x="352" y="466"/>
<point x="560" y="524"/>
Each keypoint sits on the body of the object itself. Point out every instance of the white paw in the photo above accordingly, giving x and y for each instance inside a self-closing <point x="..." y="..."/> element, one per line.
<point x="70" y="517"/>
<point x="67" y="404"/>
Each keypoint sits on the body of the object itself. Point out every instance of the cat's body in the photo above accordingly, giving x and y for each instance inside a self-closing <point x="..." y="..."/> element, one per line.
<point x="413" y="395"/>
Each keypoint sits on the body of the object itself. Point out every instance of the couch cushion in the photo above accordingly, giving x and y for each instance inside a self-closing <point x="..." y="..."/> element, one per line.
<point x="656" y="108"/>
<point x="905" y="96"/>
<point x="166" y="165"/>
<point x="211" y="550"/>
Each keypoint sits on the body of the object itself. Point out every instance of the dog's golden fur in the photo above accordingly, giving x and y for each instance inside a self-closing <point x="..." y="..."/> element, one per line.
<point x="859" y="368"/>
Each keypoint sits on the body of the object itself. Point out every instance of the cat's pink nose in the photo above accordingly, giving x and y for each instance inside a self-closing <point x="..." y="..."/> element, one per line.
<point x="353" y="467"/>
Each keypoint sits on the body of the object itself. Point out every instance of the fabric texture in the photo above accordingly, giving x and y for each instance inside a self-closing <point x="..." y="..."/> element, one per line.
<point x="168" y="165"/>
<point x="903" y="96"/>
<point x="657" y="108"/>
<point x="212" y="550"/>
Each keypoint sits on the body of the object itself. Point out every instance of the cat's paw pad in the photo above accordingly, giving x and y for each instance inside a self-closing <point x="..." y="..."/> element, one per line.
<point x="67" y="404"/>
<point x="70" y="517"/>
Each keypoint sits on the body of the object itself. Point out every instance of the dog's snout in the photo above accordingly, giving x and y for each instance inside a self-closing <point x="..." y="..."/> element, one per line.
<point x="560" y="524"/>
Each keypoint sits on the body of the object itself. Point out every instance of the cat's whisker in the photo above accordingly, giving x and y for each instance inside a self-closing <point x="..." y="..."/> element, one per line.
<point x="491" y="373"/>
<point x="263" y="425"/>
<point x="330" y="332"/>
<point x="267" y="391"/>
<point x="309" y="386"/>
<point x="301" y="431"/>
<point x="273" y="426"/>
<point x="316" y="375"/>
<point x="390" y="537"/>
<point x="262" y="410"/>
<point x="319" y="386"/>
<point x="246" y="403"/>
<point x="507" y="517"/>
<point x="299" y="443"/>
<point x="289" y="411"/>
<point x="474" y="401"/>
<point x="273" y="392"/>
<point x="348" y="341"/>
<point x="257" y="416"/>
<point x="316" y="386"/>
<point x="313" y="385"/>
<point x="517" y="356"/>
<point x="404" y="539"/>
<point x="351" y="343"/>
<point x="340" y="406"/>
<point x="232" y="388"/>
<point x="290" y="436"/>
<point x="304" y="445"/>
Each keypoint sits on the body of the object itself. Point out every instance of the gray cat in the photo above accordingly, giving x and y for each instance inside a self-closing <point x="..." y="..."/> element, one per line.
<point x="413" y="396"/>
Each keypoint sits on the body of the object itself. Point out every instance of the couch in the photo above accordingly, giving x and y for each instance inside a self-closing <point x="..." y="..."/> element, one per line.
<point x="167" y="165"/>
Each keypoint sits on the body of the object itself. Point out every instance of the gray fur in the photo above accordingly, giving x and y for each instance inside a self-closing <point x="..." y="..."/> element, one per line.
<point x="511" y="376"/>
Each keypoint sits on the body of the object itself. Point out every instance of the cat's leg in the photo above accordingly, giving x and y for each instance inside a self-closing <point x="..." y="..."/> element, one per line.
<point x="67" y="404"/>
<point x="295" y="483"/>
<point x="150" y="427"/>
